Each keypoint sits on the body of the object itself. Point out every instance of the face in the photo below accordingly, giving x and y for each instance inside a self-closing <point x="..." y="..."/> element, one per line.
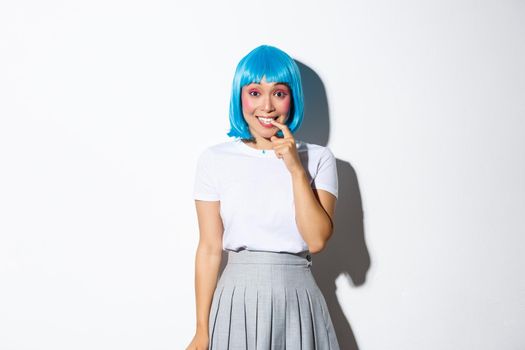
<point x="262" y="101"/>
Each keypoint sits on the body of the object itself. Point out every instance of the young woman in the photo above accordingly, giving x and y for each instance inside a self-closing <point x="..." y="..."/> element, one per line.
<point x="268" y="200"/>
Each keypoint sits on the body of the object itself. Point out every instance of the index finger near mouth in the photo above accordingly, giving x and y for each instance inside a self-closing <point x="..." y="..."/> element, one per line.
<point x="284" y="128"/>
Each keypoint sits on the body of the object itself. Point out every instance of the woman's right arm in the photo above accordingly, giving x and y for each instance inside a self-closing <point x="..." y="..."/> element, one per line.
<point x="207" y="263"/>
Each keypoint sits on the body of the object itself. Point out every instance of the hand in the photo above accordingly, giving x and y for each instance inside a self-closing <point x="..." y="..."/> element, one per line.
<point x="286" y="149"/>
<point x="199" y="342"/>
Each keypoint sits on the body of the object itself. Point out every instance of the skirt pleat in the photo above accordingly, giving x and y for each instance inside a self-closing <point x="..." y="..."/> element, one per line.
<point x="278" y="317"/>
<point x="238" y="337"/>
<point x="250" y="304"/>
<point x="269" y="301"/>
<point x="217" y="295"/>
<point x="293" y="332"/>
<point x="306" y="324"/>
<point x="264" y="317"/>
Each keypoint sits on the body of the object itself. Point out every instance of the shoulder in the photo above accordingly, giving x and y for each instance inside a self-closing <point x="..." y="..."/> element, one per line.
<point x="217" y="152"/>
<point x="314" y="150"/>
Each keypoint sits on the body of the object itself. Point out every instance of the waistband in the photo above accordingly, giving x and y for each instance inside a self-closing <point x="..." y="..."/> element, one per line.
<point x="245" y="256"/>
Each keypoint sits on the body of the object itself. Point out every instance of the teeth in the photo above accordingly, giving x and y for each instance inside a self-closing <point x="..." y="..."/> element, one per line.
<point x="265" y="120"/>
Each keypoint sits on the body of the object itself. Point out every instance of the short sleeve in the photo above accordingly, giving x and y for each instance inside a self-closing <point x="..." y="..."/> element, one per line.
<point x="326" y="177"/>
<point x="205" y="187"/>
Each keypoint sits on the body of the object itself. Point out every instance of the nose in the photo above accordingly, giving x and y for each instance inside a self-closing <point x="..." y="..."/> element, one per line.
<point x="267" y="104"/>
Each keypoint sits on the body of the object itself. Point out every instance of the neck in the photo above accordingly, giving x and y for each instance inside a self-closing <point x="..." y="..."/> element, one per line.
<point x="260" y="143"/>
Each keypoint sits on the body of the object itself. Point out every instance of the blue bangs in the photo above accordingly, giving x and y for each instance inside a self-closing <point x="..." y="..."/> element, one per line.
<point x="277" y="67"/>
<point x="266" y="64"/>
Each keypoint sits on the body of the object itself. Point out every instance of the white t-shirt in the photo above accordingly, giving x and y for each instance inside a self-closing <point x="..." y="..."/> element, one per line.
<point x="256" y="194"/>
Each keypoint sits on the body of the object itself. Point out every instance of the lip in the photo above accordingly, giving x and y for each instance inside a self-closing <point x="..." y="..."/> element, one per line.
<point x="268" y="126"/>
<point x="261" y="116"/>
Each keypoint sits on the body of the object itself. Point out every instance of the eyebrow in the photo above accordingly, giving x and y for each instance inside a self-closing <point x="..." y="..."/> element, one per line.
<point x="274" y="84"/>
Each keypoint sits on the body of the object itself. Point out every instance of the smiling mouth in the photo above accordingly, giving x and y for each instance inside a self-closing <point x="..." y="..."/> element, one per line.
<point x="266" y="121"/>
<point x="269" y="117"/>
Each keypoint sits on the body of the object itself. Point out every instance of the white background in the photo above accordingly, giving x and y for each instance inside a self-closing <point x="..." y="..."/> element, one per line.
<point x="105" y="106"/>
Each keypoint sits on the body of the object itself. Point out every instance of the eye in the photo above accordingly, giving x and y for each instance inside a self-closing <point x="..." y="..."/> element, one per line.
<point x="253" y="93"/>
<point x="280" y="94"/>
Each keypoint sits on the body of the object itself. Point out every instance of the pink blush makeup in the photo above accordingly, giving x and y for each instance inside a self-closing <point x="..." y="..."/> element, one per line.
<point x="246" y="102"/>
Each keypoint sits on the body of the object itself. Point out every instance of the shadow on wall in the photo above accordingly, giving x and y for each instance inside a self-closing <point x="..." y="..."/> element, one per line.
<point x="346" y="252"/>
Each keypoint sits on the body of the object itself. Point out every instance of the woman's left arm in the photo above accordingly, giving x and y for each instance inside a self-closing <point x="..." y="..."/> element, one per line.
<point x="314" y="208"/>
<point x="314" y="212"/>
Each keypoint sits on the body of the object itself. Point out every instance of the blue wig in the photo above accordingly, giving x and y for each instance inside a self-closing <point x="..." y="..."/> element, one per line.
<point x="277" y="67"/>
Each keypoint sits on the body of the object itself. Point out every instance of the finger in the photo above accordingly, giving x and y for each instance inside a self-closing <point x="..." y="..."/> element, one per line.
<point x="277" y="140"/>
<point x="284" y="128"/>
<point x="281" y="149"/>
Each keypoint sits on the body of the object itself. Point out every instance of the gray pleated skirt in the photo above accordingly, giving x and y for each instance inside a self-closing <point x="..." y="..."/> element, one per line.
<point x="269" y="301"/>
